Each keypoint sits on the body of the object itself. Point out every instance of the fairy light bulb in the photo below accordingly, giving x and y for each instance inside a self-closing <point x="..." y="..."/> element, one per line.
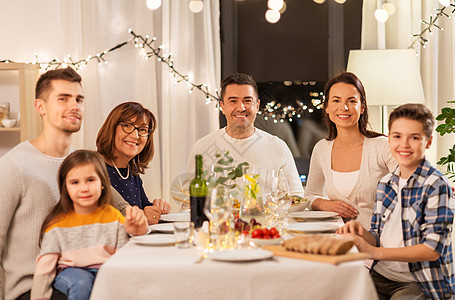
<point x="275" y="4"/>
<point x="196" y="6"/>
<point x="390" y="8"/>
<point x="381" y="15"/>
<point x="444" y="2"/>
<point x="153" y="4"/>
<point x="272" y="16"/>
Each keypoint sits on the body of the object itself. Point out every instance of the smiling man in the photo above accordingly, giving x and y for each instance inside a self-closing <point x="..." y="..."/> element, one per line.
<point x="29" y="187"/>
<point x="240" y="105"/>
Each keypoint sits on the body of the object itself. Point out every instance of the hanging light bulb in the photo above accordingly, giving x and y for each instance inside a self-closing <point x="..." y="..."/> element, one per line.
<point x="319" y="1"/>
<point x="153" y="4"/>
<point x="381" y="15"/>
<point x="340" y="1"/>
<point x="196" y="6"/>
<point x="272" y="16"/>
<point x="275" y="4"/>
<point x="444" y="2"/>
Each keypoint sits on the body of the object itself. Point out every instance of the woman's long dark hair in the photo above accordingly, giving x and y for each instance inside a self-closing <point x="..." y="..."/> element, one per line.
<point x="349" y="78"/>
<point x="65" y="205"/>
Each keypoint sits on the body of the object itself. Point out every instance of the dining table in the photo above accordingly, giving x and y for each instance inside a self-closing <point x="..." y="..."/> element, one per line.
<point x="138" y="271"/>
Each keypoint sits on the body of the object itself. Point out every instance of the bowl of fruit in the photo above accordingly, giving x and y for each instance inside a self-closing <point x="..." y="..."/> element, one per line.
<point x="298" y="203"/>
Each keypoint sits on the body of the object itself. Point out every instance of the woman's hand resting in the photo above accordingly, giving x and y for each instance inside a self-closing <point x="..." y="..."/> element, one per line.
<point x="342" y="208"/>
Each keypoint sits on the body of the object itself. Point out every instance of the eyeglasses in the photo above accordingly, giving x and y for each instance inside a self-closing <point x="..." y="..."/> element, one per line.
<point x="129" y="128"/>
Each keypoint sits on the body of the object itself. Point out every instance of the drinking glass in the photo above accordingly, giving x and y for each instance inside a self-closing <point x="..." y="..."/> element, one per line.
<point x="283" y="201"/>
<point x="183" y="234"/>
<point x="270" y="196"/>
<point x="218" y="208"/>
<point x="251" y="204"/>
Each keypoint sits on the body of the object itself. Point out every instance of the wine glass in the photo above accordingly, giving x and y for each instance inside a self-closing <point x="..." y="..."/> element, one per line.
<point x="283" y="201"/>
<point x="270" y="193"/>
<point x="218" y="207"/>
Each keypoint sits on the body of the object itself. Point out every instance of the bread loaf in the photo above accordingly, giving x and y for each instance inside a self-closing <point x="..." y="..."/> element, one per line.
<point x="319" y="244"/>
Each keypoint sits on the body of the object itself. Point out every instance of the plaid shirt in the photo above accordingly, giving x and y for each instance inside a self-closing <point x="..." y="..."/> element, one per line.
<point x="427" y="217"/>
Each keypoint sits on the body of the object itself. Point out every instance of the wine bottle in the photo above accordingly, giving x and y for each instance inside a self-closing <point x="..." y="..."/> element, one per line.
<point x="198" y="191"/>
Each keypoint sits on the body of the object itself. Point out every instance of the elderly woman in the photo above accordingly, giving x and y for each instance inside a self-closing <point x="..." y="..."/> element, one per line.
<point x="346" y="167"/>
<point x="126" y="142"/>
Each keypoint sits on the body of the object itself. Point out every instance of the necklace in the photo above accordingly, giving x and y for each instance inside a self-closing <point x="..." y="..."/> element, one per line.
<point x="120" y="174"/>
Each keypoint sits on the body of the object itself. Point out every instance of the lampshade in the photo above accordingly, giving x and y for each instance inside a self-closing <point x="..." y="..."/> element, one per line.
<point x="390" y="77"/>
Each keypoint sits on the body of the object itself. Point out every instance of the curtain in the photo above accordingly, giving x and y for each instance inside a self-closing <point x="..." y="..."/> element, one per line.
<point x="437" y="63"/>
<point x="57" y="28"/>
<point x="182" y="117"/>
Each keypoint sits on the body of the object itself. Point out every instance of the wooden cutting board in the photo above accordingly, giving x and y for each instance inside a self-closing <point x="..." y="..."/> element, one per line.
<point x="331" y="259"/>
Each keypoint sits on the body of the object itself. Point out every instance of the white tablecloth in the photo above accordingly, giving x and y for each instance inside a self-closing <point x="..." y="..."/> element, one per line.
<point x="147" y="272"/>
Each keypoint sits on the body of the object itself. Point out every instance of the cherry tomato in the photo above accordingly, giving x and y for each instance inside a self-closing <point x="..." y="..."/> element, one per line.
<point x="275" y="236"/>
<point x="265" y="232"/>
<point x="256" y="234"/>
<point x="273" y="231"/>
<point x="266" y="237"/>
<point x="245" y="232"/>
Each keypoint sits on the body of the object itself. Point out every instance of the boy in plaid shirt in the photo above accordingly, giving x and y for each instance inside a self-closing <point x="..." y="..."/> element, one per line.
<point x="410" y="235"/>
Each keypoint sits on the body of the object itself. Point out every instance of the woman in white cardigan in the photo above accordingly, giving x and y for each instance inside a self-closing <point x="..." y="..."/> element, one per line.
<point x="346" y="167"/>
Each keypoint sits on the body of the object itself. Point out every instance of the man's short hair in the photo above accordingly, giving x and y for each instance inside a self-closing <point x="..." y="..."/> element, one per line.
<point x="240" y="79"/>
<point x="44" y="83"/>
<point x="417" y="112"/>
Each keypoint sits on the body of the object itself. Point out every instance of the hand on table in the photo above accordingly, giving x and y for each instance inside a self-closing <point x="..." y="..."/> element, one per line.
<point x="342" y="208"/>
<point x="353" y="227"/>
<point x="152" y="213"/>
<point x="135" y="221"/>
<point x="164" y="206"/>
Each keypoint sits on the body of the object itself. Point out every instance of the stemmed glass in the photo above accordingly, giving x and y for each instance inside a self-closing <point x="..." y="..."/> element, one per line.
<point x="270" y="194"/>
<point x="283" y="201"/>
<point x="218" y="207"/>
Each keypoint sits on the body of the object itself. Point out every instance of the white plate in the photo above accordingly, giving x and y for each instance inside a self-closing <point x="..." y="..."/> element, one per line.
<point x="263" y="242"/>
<point x="241" y="255"/>
<point x="176" y="217"/>
<point x="163" y="227"/>
<point x="312" y="227"/>
<point x="155" y="240"/>
<point x="313" y="214"/>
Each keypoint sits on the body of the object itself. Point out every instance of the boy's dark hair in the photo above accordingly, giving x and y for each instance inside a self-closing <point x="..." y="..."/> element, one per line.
<point x="240" y="79"/>
<point x="417" y="112"/>
<point x="43" y="85"/>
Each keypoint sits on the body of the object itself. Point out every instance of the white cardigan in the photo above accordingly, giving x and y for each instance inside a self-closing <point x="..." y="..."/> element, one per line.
<point x="376" y="162"/>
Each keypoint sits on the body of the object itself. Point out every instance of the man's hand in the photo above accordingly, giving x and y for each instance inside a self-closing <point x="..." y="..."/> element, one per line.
<point x="135" y="221"/>
<point x="152" y="213"/>
<point x="164" y="206"/>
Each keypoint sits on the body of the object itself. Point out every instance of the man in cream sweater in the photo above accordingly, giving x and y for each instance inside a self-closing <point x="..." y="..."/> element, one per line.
<point x="240" y="104"/>
<point x="29" y="188"/>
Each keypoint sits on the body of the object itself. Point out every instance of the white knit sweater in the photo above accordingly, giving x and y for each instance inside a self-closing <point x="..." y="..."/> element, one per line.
<point x="260" y="150"/>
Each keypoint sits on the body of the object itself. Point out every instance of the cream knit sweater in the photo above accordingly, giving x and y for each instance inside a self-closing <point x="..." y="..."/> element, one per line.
<point x="376" y="162"/>
<point x="28" y="192"/>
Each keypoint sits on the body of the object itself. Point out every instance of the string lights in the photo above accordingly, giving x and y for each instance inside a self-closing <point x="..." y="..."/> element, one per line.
<point x="431" y="24"/>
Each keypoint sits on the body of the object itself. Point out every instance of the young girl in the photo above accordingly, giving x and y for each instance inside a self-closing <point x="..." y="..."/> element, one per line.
<point x="83" y="230"/>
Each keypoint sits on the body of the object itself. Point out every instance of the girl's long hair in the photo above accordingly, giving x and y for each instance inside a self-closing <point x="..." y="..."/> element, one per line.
<point x="65" y="205"/>
<point x="349" y="78"/>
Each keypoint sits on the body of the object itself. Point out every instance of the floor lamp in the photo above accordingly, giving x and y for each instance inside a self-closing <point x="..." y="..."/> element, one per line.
<point x="390" y="77"/>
